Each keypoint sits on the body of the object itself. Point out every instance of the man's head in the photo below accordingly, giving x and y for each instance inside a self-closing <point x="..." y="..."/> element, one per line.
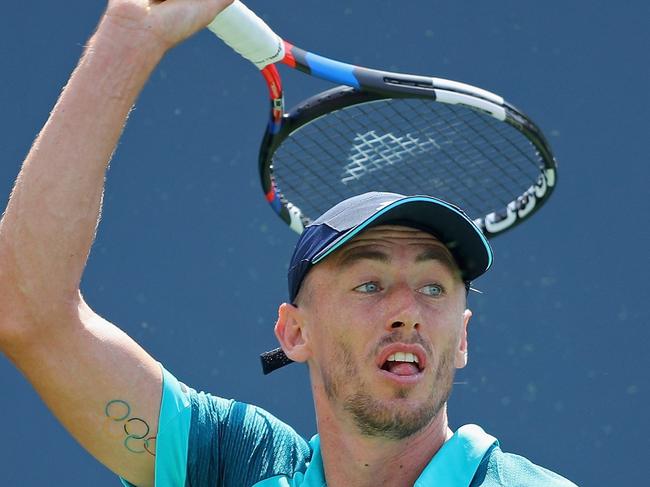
<point x="378" y="311"/>
<point x="466" y="243"/>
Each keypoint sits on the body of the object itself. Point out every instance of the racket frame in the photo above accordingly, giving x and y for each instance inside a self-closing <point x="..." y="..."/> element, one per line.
<point x="360" y="85"/>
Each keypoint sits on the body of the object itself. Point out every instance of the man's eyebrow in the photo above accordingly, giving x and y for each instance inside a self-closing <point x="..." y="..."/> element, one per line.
<point x="438" y="254"/>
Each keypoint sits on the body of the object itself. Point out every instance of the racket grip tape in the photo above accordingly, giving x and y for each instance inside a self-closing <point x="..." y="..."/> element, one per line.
<point x="248" y="35"/>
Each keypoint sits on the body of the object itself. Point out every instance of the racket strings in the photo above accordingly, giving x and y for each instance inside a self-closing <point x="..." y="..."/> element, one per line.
<point x="520" y="153"/>
<point x="311" y="182"/>
<point x="513" y="155"/>
<point x="409" y="146"/>
<point x="448" y="125"/>
<point x="451" y="172"/>
<point x="469" y="152"/>
<point x="481" y="153"/>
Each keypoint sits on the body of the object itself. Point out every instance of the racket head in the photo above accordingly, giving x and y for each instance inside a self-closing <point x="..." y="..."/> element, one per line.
<point x="483" y="155"/>
<point x="412" y="135"/>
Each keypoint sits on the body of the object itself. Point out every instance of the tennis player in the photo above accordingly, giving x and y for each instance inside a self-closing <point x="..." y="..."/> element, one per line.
<point x="377" y="309"/>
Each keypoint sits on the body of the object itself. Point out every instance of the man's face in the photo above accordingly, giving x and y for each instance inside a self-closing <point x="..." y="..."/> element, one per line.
<point x="390" y="296"/>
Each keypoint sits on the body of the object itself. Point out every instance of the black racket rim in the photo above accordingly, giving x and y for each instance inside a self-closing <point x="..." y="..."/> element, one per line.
<point x="340" y="97"/>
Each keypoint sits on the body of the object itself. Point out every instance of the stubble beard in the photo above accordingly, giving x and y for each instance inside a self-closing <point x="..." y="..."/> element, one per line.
<point x="376" y="419"/>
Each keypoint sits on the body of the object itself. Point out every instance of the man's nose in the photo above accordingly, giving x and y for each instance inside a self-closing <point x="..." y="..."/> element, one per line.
<point x="403" y="309"/>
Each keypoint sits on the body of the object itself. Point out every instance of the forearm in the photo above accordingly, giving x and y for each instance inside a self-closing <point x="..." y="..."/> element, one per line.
<point x="77" y="361"/>
<point x="50" y="222"/>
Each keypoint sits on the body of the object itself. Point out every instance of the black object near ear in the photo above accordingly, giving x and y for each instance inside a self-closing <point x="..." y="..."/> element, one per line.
<point x="273" y="360"/>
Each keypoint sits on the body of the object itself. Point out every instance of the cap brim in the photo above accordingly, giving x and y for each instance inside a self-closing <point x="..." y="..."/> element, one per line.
<point x="446" y="222"/>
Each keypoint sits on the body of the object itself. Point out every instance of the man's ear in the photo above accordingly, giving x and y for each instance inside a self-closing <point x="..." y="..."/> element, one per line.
<point x="290" y="332"/>
<point x="461" y="353"/>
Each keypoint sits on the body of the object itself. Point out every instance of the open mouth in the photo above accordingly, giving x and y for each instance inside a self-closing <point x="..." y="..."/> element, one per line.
<point x="402" y="364"/>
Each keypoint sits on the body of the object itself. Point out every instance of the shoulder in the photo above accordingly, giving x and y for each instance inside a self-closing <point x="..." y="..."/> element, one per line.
<point x="242" y="420"/>
<point x="509" y="470"/>
<point x="240" y="443"/>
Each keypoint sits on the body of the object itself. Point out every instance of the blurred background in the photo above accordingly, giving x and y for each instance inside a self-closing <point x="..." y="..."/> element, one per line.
<point x="191" y="262"/>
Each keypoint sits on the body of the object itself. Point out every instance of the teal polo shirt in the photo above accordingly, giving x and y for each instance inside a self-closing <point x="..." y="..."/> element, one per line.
<point x="206" y="441"/>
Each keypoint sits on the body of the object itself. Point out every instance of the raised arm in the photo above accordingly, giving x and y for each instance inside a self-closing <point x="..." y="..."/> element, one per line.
<point x="88" y="372"/>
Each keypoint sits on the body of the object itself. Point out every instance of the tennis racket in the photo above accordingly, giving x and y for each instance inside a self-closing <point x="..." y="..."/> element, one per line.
<point x="383" y="131"/>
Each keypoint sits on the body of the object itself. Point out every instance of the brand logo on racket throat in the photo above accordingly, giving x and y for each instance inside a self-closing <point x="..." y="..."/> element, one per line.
<point x="522" y="206"/>
<point x="372" y="152"/>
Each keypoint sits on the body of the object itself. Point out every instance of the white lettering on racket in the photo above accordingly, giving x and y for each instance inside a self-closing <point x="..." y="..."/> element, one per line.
<point x="372" y="152"/>
<point x="523" y="205"/>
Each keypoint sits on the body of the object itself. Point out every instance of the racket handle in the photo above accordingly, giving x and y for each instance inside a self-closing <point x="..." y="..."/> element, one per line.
<point x="248" y="35"/>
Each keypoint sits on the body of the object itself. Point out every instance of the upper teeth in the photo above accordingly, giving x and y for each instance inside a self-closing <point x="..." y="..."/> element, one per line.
<point x="403" y="357"/>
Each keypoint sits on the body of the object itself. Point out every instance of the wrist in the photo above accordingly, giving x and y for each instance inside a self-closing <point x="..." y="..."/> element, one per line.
<point x="120" y="60"/>
<point x="134" y="46"/>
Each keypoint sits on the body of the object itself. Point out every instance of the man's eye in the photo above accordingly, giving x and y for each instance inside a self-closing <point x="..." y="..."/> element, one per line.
<point x="368" y="287"/>
<point x="432" y="290"/>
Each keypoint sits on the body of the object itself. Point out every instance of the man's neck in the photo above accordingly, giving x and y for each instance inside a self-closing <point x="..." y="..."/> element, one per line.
<point x="351" y="459"/>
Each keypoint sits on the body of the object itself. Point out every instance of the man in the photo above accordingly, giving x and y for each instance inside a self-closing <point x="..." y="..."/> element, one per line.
<point x="377" y="310"/>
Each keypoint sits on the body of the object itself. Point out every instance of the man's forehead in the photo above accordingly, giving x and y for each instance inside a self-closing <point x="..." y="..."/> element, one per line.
<point x="382" y="238"/>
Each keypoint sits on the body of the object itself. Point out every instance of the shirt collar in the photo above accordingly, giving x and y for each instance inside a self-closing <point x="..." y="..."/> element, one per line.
<point x="455" y="464"/>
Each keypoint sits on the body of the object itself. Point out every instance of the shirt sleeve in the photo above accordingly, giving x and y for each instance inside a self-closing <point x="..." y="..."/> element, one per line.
<point x="207" y="440"/>
<point x="173" y="434"/>
<point x="234" y="444"/>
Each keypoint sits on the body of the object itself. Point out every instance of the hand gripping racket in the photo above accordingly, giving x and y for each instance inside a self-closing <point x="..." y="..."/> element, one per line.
<point x="383" y="131"/>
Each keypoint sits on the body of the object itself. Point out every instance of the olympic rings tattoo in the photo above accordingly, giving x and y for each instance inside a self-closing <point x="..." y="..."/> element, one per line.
<point x="112" y="411"/>
<point x="131" y="449"/>
<point x="126" y="430"/>
<point x="117" y="401"/>
<point x="147" y="445"/>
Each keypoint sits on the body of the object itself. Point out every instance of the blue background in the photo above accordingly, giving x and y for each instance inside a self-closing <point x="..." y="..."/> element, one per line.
<point x="191" y="262"/>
